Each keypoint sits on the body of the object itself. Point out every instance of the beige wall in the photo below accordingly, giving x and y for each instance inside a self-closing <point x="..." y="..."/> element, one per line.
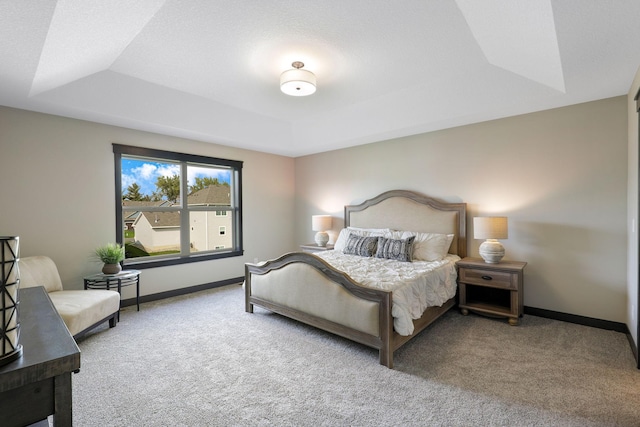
<point x="559" y="175"/>
<point x="57" y="194"/>
<point x="632" y="212"/>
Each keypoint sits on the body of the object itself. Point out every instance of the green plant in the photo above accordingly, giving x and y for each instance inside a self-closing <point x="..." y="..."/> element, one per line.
<point x="111" y="253"/>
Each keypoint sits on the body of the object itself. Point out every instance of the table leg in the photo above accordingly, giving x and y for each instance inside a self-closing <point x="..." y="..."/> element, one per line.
<point x="63" y="415"/>
<point x="120" y="292"/>
<point x="138" y="292"/>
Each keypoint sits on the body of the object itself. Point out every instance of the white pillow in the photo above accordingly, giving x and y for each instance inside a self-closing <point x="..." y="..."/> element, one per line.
<point x="449" y="241"/>
<point x="341" y="241"/>
<point x="429" y="246"/>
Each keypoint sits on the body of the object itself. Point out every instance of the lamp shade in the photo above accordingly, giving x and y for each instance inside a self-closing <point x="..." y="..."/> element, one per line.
<point x="321" y="222"/>
<point x="490" y="227"/>
<point x="298" y="82"/>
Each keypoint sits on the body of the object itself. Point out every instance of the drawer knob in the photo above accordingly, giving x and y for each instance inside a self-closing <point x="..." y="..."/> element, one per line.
<point x="487" y="277"/>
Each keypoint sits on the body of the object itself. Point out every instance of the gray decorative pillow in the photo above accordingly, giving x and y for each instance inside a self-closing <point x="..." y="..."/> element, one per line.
<point x="399" y="250"/>
<point x="360" y="245"/>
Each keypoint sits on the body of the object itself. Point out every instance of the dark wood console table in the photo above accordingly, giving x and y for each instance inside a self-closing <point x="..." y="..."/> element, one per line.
<point x="39" y="383"/>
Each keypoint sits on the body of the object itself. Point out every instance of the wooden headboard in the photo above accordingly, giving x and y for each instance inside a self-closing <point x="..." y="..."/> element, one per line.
<point x="410" y="211"/>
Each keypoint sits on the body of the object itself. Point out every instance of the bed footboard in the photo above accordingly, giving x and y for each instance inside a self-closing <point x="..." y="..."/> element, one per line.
<point x="304" y="287"/>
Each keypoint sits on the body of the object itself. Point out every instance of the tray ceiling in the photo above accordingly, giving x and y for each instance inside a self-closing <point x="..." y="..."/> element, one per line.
<point x="209" y="69"/>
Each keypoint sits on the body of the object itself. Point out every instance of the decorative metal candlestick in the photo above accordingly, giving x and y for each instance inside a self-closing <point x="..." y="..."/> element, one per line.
<point x="10" y="348"/>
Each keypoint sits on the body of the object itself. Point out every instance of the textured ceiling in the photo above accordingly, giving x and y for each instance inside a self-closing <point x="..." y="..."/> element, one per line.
<point x="209" y="69"/>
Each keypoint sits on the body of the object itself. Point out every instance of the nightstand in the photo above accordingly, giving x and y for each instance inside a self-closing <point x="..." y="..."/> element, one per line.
<point x="495" y="290"/>
<point x="312" y="247"/>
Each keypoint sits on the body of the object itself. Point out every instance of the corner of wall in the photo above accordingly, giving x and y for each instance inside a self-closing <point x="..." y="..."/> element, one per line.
<point x="633" y="305"/>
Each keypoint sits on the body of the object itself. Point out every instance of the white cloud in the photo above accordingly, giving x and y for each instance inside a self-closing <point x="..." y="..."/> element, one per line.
<point x="196" y="171"/>
<point x="145" y="174"/>
<point x="168" y="170"/>
<point x="146" y="171"/>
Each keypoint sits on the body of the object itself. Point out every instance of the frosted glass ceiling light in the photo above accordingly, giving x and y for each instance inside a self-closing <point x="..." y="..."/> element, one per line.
<point x="298" y="82"/>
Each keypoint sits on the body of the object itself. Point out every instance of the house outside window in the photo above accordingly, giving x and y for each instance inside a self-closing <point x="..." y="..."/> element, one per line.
<point x="171" y="207"/>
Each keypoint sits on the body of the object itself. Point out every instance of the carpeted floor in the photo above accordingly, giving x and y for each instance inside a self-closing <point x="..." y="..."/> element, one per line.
<point x="200" y="360"/>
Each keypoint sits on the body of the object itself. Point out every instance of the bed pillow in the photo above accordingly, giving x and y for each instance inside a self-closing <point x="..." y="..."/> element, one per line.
<point x="429" y="246"/>
<point x="395" y="249"/>
<point x="448" y="245"/>
<point x="341" y="241"/>
<point x="361" y="245"/>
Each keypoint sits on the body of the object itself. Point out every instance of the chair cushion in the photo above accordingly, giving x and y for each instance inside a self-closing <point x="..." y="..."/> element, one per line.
<point x="39" y="271"/>
<point x="84" y="308"/>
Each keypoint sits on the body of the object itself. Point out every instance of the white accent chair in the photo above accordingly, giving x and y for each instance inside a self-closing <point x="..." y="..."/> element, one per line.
<point x="81" y="310"/>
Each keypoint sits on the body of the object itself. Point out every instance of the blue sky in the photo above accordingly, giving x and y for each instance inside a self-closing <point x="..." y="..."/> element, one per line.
<point x="146" y="172"/>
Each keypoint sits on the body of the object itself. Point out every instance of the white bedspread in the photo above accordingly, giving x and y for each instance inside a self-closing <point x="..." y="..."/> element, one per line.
<point x="415" y="285"/>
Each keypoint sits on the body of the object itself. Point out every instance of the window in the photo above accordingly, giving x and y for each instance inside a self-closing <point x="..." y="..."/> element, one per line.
<point x="173" y="208"/>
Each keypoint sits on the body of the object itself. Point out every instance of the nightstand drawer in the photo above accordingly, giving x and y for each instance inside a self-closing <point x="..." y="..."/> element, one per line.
<point x="496" y="279"/>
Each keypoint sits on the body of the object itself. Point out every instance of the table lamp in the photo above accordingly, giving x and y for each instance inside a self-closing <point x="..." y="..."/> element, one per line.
<point x="321" y="223"/>
<point x="10" y="348"/>
<point x="490" y="228"/>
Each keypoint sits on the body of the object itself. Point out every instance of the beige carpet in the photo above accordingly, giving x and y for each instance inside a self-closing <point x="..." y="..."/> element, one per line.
<point x="200" y="360"/>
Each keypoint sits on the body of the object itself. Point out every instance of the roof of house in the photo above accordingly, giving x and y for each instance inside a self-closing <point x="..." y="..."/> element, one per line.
<point x="213" y="195"/>
<point x="163" y="219"/>
<point x="145" y="203"/>
<point x="132" y="215"/>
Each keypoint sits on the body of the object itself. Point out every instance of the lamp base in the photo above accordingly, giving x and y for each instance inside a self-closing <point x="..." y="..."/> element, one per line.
<point x="10" y="357"/>
<point x="322" y="238"/>
<point x="491" y="251"/>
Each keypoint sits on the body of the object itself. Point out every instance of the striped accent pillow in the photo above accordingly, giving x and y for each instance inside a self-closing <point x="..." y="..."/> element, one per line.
<point x="360" y="245"/>
<point x="395" y="249"/>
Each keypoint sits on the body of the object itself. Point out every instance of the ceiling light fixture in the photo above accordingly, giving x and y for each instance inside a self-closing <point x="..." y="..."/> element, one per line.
<point x="298" y="82"/>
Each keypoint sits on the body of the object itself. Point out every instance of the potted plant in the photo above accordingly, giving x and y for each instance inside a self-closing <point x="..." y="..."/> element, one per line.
<point x="111" y="254"/>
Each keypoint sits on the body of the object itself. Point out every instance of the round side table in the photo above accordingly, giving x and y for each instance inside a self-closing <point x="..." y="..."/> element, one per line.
<point x="115" y="281"/>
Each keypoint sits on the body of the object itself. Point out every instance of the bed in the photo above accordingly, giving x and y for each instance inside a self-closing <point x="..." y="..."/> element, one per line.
<point x="305" y="287"/>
